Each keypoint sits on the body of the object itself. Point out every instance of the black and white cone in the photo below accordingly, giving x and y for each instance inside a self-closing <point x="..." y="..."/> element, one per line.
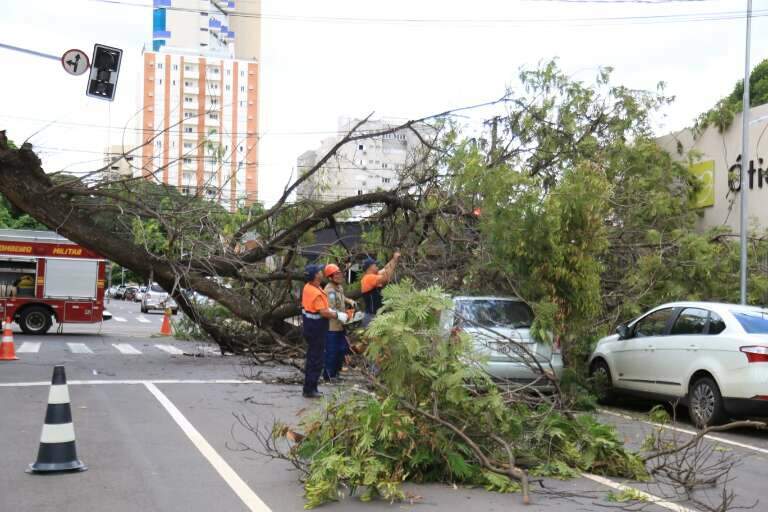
<point x="57" y="442"/>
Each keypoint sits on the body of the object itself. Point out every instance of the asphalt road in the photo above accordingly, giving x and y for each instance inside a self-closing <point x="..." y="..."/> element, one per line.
<point x="156" y="428"/>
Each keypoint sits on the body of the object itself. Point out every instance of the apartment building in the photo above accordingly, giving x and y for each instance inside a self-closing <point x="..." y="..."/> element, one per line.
<point x="117" y="164"/>
<point x="359" y="167"/>
<point x="200" y="101"/>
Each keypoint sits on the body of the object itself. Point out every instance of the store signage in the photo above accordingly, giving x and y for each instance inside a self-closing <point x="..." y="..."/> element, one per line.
<point x="734" y="175"/>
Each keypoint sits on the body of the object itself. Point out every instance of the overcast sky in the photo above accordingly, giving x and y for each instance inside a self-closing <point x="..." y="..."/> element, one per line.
<point x="399" y="58"/>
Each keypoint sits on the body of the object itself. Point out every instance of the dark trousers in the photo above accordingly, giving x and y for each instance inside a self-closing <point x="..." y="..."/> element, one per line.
<point x="314" y="334"/>
<point x="335" y="350"/>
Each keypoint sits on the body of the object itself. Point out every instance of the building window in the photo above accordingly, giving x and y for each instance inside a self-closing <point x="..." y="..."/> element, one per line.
<point x="187" y="145"/>
<point x="215" y="71"/>
<point x="227" y="87"/>
<point x="240" y="148"/>
<point x="160" y="65"/>
<point x="214" y="101"/>
<point x="242" y="73"/>
<point x="187" y="160"/>
<point x="187" y="129"/>
<point x="241" y="103"/>
<point x="175" y="67"/>
<point x="187" y="83"/>
<point x="187" y="115"/>
<point x="159" y="81"/>
<point x="158" y="143"/>
<point x="359" y="192"/>
<point x="384" y="165"/>
<point x="187" y="99"/>
<point x="173" y="82"/>
<point x="187" y="68"/>
<point x="213" y="115"/>
<point x="229" y="72"/>
<point x="360" y="147"/>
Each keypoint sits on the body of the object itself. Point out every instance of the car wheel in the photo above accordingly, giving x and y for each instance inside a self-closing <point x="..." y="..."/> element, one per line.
<point x="144" y="310"/>
<point x="35" y="320"/>
<point x="705" y="404"/>
<point x="601" y="376"/>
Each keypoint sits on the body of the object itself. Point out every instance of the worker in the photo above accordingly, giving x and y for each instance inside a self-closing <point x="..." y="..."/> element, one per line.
<point x="372" y="283"/>
<point x="316" y="312"/>
<point x="336" y="344"/>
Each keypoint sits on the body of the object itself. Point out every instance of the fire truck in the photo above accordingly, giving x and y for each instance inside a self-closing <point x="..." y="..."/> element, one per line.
<point x="45" y="278"/>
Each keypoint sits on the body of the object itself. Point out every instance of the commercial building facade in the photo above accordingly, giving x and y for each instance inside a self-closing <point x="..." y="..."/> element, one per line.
<point x="716" y="161"/>
<point x="200" y="103"/>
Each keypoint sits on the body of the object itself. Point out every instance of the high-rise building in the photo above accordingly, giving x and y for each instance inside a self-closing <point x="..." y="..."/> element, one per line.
<point x="117" y="164"/>
<point x="200" y="100"/>
<point x="359" y="167"/>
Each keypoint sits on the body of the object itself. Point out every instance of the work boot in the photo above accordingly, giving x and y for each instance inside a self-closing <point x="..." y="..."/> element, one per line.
<point x="312" y="394"/>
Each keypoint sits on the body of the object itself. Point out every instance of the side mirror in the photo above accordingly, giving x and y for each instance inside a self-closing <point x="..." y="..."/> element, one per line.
<point x="623" y="331"/>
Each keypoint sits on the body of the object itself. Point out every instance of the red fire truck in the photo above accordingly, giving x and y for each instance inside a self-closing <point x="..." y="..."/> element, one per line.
<point x="45" y="278"/>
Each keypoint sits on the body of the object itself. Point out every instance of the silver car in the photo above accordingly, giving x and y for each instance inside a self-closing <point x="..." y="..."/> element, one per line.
<point x="157" y="299"/>
<point x="500" y="328"/>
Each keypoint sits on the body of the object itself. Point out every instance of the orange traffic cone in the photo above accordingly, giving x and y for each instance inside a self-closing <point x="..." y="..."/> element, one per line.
<point x="7" y="348"/>
<point x="165" y="329"/>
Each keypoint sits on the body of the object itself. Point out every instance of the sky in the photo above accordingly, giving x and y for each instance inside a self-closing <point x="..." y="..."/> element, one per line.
<point x="349" y="58"/>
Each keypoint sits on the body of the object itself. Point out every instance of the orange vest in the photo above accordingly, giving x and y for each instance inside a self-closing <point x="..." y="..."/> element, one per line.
<point x="313" y="299"/>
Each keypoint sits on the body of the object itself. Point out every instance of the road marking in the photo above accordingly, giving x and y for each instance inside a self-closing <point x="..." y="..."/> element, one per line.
<point x="143" y="319"/>
<point x="650" y="497"/>
<point x="126" y="348"/>
<point x="170" y="349"/>
<point x="245" y="493"/>
<point x="716" y="439"/>
<point x="29" y="347"/>
<point x="119" y="319"/>
<point x="79" y="348"/>
<point x="100" y="382"/>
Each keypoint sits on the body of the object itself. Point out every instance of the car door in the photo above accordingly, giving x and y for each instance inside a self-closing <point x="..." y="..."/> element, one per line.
<point x="670" y="356"/>
<point x="633" y="355"/>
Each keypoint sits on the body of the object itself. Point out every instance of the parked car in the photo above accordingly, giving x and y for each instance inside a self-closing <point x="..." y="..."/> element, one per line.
<point x="111" y="291"/>
<point x="119" y="292"/>
<point x="139" y="294"/>
<point x="495" y="324"/>
<point x="130" y="292"/>
<point x="157" y="299"/>
<point x="711" y="357"/>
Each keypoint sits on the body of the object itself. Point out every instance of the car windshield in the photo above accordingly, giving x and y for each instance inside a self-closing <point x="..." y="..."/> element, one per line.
<point x="754" y="322"/>
<point x="494" y="313"/>
<point x="156" y="288"/>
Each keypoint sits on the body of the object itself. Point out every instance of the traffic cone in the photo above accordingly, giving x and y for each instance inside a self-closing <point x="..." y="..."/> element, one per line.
<point x="57" y="441"/>
<point x="165" y="329"/>
<point x="7" y="348"/>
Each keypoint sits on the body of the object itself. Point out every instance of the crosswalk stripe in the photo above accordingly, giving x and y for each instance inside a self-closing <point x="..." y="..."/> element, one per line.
<point x="79" y="348"/>
<point x="143" y="319"/>
<point x="126" y="348"/>
<point x="119" y="319"/>
<point x="29" y="347"/>
<point x="170" y="349"/>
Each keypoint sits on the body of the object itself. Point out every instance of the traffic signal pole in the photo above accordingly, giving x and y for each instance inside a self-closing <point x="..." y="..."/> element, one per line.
<point x="30" y="52"/>
<point x="744" y="164"/>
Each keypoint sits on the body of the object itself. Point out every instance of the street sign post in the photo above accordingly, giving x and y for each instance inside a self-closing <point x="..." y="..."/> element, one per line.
<point x="75" y="62"/>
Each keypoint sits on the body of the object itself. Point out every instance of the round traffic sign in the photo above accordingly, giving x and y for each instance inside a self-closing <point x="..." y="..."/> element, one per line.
<point x="75" y="62"/>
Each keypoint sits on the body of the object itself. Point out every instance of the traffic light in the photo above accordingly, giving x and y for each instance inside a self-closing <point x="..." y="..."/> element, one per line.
<point x="105" y="66"/>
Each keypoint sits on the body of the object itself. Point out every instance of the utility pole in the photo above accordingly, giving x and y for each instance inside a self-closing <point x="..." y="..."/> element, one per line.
<point x="745" y="161"/>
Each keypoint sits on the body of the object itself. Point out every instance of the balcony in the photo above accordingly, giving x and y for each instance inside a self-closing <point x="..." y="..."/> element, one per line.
<point x="191" y="89"/>
<point x="192" y="73"/>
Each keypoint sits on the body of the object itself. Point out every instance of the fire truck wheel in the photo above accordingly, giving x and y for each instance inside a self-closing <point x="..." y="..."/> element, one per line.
<point x="35" y="320"/>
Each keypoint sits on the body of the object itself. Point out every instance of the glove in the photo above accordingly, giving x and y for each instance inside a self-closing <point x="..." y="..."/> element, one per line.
<point x="342" y="317"/>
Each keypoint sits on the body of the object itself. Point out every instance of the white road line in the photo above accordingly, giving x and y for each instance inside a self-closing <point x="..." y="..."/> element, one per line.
<point x="79" y="348"/>
<point x="716" y="439"/>
<point x="126" y="348"/>
<point x="170" y="349"/>
<point x="143" y="319"/>
<point x="650" y="497"/>
<point x="29" y="347"/>
<point x="142" y="382"/>
<point x="119" y="319"/>
<point x="245" y="493"/>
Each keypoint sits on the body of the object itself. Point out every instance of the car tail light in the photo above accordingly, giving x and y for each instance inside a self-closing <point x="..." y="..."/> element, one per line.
<point x="756" y="353"/>
<point x="760" y="397"/>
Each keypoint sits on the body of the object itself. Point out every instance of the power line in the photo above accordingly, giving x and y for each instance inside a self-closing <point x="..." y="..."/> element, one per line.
<point x="661" y="18"/>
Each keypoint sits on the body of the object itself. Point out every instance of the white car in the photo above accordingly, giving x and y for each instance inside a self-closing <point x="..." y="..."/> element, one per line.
<point x="495" y="324"/>
<point x="711" y="357"/>
<point x="157" y="299"/>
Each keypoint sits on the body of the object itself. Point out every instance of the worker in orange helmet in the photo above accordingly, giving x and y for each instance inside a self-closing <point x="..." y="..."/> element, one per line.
<point x="336" y="344"/>
<point x="373" y="281"/>
<point x="316" y="312"/>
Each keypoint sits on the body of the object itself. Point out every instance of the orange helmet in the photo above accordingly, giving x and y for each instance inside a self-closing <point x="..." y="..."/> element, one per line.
<point x="331" y="269"/>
